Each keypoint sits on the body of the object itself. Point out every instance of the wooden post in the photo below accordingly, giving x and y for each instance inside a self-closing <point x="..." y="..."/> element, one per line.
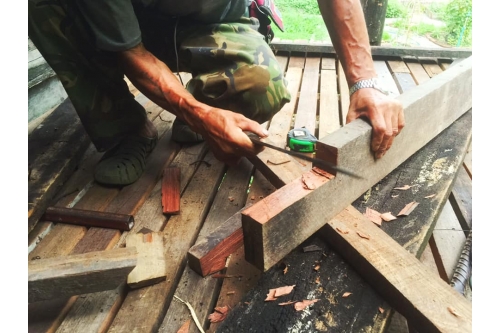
<point x="374" y="11"/>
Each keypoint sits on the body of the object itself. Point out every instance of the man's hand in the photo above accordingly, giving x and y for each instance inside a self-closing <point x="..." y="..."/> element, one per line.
<point x="222" y="129"/>
<point x="385" y="114"/>
<point x="224" y="132"/>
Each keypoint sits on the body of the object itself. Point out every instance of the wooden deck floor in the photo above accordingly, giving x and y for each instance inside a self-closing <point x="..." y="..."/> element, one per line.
<point x="211" y="193"/>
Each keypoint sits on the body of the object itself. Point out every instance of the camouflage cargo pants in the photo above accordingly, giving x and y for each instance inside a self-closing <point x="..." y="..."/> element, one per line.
<point x="232" y="67"/>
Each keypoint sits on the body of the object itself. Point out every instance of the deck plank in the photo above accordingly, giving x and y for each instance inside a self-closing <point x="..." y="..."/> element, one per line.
<point x="307" y="104"/>
<point x="329" y="115"/>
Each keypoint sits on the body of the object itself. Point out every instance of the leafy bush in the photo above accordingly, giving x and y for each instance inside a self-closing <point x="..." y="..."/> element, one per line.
<point x="304" y="6"/>
<point x="458" y="19"/>
<point x="395" y="9"/>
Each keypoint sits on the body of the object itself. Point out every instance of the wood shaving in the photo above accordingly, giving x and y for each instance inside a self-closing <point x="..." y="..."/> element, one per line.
<point x="299" y="306"/>
<point x="430" y="196"/>
<point x="381" y="310"/>
<point x="316" y="268"/>
<point x="342" y="231"/>
<point x="184" y="328"/>
<point x="403" y="188"/>
<point x="387" y="217"/>
<point x="362" y="235"/>
<point x="317" y="280"/>
<point x="219" y="314"/>
<point x="277" y="161"/>
<point x="307" y="183"/>
<point x="408" y="209"/>
<point x="323" y="173"/>
<point x="285" y="270"/>
<point x="453" y="311"/>
<point x="395" y="196"/>
<point x="252" y="197"/>
<point x="230" y="293"/>
<point x="287" y="303"/>
<point x="311" y="248"/>
<point x="277" y="292"/>
<point x="231" y="199"/>
<point x="346" y="294"/>
<point x="373" y="216"/>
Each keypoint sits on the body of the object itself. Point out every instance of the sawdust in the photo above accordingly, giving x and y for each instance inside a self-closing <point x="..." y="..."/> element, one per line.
<point x="433" y="170"/>
<point x="320" y="326"/>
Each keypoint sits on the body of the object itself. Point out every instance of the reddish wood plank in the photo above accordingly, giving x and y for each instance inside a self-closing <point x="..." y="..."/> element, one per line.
<point x="171" y="190"/>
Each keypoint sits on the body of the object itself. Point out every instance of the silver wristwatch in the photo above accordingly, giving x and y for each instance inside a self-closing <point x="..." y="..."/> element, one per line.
<point x="370" y="83"/>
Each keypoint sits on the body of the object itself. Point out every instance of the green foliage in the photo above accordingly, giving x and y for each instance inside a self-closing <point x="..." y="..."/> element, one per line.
<point x="458" y="19"/>
<point x="302" y="6"/>
<point x="395" y="9"/>
<point x="386" y="37"/>
<point x="302" y="26"/>
<point x="302" y="20"/>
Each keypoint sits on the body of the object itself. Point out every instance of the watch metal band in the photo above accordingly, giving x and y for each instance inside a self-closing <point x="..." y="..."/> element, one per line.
<point x="369" y="83"/>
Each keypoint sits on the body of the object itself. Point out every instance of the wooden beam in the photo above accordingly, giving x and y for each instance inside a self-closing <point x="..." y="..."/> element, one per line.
<point x="425" y="300"/>
<point x="280" y="222"/>
<point x="379" y="50"/>
<point x="151" y="265"/>
<point x="79" y="273"/>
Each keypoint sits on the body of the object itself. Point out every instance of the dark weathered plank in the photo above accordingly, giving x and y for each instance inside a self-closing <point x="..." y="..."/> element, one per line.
<point x="193" y="288"/>
<point x="54" y="149"/>
<point x="79" y="273"/>
<point x="424" y="299"/>
<point x="144" y="309"/>
<point x="446" y="98"/>
<point x="379" y="50"/>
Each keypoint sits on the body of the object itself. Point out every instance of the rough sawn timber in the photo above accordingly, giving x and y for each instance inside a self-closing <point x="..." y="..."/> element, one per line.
<point x="79" y="273"/>
<point x="426" y="301"/>
<point x="429" y="109"/>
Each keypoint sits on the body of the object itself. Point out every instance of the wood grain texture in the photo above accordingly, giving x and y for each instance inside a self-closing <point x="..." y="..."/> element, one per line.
<point x="79" y="273"/>
<point x="145" y="308"/>
<point x="193" y="288"/>
<point x="151" y="265"/>
<point x="170" y="194"/>
<point x="343" y="93"/>
<point x="54" y="150"/>
<point x="329" y="117"/>
<point x="263" y="227"/>
<point x="308" y="102"/>
<point x="413" y="290"/>
<point x="417" y="71"/>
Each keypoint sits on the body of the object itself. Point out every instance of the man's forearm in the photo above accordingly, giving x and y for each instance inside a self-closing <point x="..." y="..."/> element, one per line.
<point x="346" y="25"/>
<point x="157" y="82"/>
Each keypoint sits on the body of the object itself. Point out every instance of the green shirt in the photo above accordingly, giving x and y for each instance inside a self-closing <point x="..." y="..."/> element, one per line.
<point x="116" y="27"/>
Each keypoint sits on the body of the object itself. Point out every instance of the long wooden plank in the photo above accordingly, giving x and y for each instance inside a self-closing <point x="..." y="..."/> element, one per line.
<point x="79" y="274"/>
<point x="385" y="77"/>
<point x="443" y="99"/>
<point x="329" y="117"/>
<point x="378" y="50"/>
<point x="199" y="291"/>
<point x="308" y="102"/>
<point x="343" y="93"/>
<point x="54" y="149"/>
<point x="427" y="302"/>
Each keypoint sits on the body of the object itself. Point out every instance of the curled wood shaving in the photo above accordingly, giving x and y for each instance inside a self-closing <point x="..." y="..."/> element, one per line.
<point x="373" y="216"/>
<point x="362" y="235"/>
<point x="307" y="183"/>
<point x="323" y="173"/>
<point x="277" y="292"/>
<point x="219" y="314"/>
<point x="408" y="209"/>
<point x="342" y="231"/>
<point x="193" y="313"/>
<point x="453" y="311"/>
<point x="388" y="217"/>
<point x="346" y="294"/>
<point x="403" y="188"/>
<point x="299" y="306"/>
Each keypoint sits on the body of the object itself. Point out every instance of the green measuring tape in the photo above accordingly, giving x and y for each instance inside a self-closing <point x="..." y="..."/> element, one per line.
<point x="301" y="140"/>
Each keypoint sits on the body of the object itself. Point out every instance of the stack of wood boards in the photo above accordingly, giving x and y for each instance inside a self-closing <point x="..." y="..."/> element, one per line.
<point x="211" y="193"/>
